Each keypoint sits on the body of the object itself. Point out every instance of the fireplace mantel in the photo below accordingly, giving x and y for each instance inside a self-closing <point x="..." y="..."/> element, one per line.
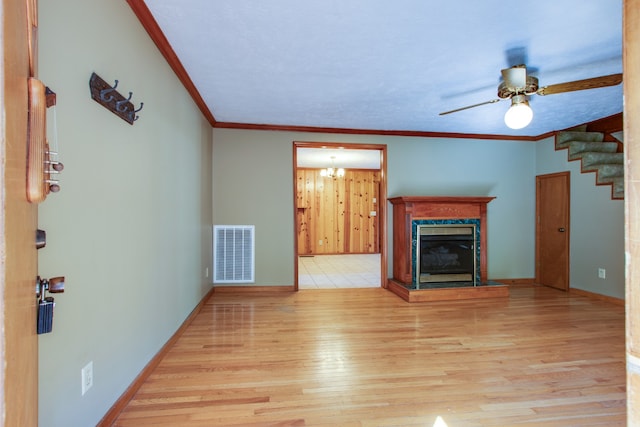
<point x="406" y="209"/>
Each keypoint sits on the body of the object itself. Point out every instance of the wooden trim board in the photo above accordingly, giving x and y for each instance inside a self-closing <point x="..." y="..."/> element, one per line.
<point x="251" y="289"/>
<point x="597" y="296"/>
<point x="447" y="294"/>
<point x="525" y="281"/>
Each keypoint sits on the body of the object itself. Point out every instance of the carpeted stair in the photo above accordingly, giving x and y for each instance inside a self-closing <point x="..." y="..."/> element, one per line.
<point x="597" y="156"/>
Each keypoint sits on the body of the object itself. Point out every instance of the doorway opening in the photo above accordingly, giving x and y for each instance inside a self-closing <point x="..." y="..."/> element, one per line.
<point x="340" y="215"/>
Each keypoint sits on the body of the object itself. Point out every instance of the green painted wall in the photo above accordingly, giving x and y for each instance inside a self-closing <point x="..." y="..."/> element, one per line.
<point x="597" y="225"/>
<point x="253" y="184"/>
<point x="131" y="227"/>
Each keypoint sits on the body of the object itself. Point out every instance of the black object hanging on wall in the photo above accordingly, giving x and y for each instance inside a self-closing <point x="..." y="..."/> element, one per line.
<point x="107" y="96"/>
<point x="46" y="303"/>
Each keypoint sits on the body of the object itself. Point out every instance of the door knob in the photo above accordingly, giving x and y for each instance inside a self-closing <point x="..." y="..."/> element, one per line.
<point x="561" y="229"/>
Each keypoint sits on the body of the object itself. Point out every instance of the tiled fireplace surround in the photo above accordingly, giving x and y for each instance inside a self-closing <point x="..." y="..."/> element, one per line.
<point x="410" y="211"/>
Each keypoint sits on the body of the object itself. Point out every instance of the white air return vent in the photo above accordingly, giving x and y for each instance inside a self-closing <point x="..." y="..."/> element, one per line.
<point x="233" y="253"/>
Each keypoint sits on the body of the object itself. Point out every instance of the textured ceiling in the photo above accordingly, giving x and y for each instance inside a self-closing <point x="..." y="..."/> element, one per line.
<point x="393" y="65"/>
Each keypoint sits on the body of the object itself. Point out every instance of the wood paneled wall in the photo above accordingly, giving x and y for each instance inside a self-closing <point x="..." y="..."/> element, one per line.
<point x="335" y="214"/>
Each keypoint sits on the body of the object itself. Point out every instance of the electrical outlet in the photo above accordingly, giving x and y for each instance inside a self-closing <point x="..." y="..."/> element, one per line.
<point x="206" y="272"/>
<point x="602" y="273"/>
<point x="320" y="242"/>
<point x="87" y="377"/>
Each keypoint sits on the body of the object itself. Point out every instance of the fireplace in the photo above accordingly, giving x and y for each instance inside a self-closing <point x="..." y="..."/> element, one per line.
<point x="446" y="253"/>
<point x="440" y="249"/>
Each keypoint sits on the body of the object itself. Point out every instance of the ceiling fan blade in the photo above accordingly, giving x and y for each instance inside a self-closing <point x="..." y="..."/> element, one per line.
<point x="515" y="77"/>
<point x="593" y="83"/>
<point x="470" y="106"/>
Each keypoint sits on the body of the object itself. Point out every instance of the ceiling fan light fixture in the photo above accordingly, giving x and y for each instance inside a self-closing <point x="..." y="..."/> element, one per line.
<point x="520" y="114"/>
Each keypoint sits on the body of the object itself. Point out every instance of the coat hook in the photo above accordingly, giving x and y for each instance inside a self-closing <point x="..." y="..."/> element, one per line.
<point x="123" y="102"/>
<point x="132" y="116"/>
<point x="104" y="92"/>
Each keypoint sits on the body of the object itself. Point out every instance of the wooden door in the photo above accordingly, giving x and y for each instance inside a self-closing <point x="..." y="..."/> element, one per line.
<point x="552" y="230"/>
<point x="18" y="220"/>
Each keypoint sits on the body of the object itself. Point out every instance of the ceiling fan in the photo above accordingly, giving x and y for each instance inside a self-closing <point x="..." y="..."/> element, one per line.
<point x="516" y="85"/>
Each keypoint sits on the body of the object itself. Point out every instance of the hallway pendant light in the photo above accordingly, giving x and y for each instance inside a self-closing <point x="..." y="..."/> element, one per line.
<point x="332" y="172"/>
<point x="519" y="114"/>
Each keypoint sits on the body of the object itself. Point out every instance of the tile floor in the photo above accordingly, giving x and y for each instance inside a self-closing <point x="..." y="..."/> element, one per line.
<point x="339" y="271"/>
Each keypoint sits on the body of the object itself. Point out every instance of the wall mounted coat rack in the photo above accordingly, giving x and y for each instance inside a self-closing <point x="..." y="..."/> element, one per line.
<point x="107" y="96"/>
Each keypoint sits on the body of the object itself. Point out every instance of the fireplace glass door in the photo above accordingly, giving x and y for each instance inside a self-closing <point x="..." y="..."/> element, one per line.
<point x="446" y="253"/>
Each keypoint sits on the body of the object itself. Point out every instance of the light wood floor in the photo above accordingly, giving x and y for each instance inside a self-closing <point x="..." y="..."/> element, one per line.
<point x="364" y="357"/>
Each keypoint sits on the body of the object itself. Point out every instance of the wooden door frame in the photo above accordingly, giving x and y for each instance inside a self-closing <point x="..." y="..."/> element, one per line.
<point x="538" y="249"/>
<point x="631" y="88"/>
<point x="382" y="205"/>
<point x="18" y="266"/>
